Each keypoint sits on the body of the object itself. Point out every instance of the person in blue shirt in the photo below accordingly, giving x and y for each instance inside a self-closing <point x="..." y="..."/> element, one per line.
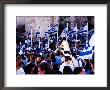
<point x="58" y="58"/>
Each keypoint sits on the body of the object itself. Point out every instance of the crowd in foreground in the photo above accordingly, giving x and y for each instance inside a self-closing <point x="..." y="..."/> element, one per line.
<point x="49" y="62"/>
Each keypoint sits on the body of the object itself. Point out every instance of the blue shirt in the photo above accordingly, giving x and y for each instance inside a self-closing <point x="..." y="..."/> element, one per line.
<point x="58" y="60"/>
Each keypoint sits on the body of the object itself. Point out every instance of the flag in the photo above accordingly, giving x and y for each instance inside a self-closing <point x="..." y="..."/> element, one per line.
<point x="37" y="32"/>
<point x="52" y="29"/>
<point x="88" y="51"/>
<point x="83" y="31"/>
<point x="85" y="27"/>
<point x="75" y="29"/>
<point x="65" y="31"/>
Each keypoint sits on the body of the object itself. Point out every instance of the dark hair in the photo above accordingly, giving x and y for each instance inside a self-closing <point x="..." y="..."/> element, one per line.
<point x="48" y="55"/>
<point x="44" y="66"/>
<point x="77" y="70"/>
<point x="67" y="58"/>
<point x="56" y="69"/>
<point x="58" y="52"/>
<point x="42" y="57"/>
<point x="67" y="52"/>
<point x="67" y="70"/>
<point x="53" y="57"/>
<point x="87" y="60"/>
<point x="18" y="58"/>
<point x="88" y="67"/>
<point x="35" y="70"/>
<point x="28" y="68"/>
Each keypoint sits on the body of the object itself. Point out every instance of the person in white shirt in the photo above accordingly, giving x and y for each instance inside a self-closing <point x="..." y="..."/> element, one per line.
<point x="20" y="71"/>
<point x="21" y="51"/>
<point x="67" y="62"/>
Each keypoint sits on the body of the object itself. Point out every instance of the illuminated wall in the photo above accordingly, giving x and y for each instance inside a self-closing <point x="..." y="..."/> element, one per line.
<point x="37" y="23"/>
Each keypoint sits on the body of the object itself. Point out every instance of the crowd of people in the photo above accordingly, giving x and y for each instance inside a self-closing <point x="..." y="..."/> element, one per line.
<point x="34" y="61"/>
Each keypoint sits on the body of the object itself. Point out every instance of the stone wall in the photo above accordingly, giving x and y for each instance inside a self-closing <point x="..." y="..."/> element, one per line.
<point x="37" y="23"/>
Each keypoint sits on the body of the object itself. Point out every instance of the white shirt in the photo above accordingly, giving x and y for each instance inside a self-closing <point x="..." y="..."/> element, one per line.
<point x="63" y="59"/>
<point x="75" y="62"/>
<point x="21" y="51"/>
<point x="20" y="71"/>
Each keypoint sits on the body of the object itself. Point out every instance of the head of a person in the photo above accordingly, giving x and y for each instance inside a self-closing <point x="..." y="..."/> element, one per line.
<point x="52" y="57"/>
<point x="42" y="58"/>
<point x="86" y="60"/>
<point x="38" y="59"/>
<point x="43" y="68"/>
<point x="48" y="56"/>
<point x="79" y="70"/>
<point x="18" y="61"/>
<point x="67" y="70"/>
<point x="61" y="53"/>
<point x="31" y="57"/>
<point x="88" y="66"/>
<point x="34" y="70"/>
<point x="58" y="53"/>
<point x="29" y="68"/>
<point x="67" y="59"/>
<point x="56" y="67"/>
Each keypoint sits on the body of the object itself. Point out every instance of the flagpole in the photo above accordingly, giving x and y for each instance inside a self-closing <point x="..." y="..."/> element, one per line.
<point x="57" y="38"/>
<point x="87" y="32"/>
<point x="39" y="42"/>
<point x="31" y="37"/>
<point x="76" y="39"/>
<point x="48" y="41"/>
<point x="67" y="30"/>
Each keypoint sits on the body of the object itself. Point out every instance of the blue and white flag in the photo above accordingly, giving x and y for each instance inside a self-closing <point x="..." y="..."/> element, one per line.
<point x="75" y="29"/>
<point x="37" y="32"/>
<point x="83" y="31"/>
<point x="88" y="51"/>
<point x="85" y="27"/>
<point x="65" y="31"/>
<point x="52" y="29"/>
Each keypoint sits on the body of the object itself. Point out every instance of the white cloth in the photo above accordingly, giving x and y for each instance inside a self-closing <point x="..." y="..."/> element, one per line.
<point x="92" y="40"/>
<point x="75" y="62"/>
<point x="20" y="71"/>
<point x="65" y="45"/>
<point x="63" y="59"/>
<point x="21" y="51"/>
